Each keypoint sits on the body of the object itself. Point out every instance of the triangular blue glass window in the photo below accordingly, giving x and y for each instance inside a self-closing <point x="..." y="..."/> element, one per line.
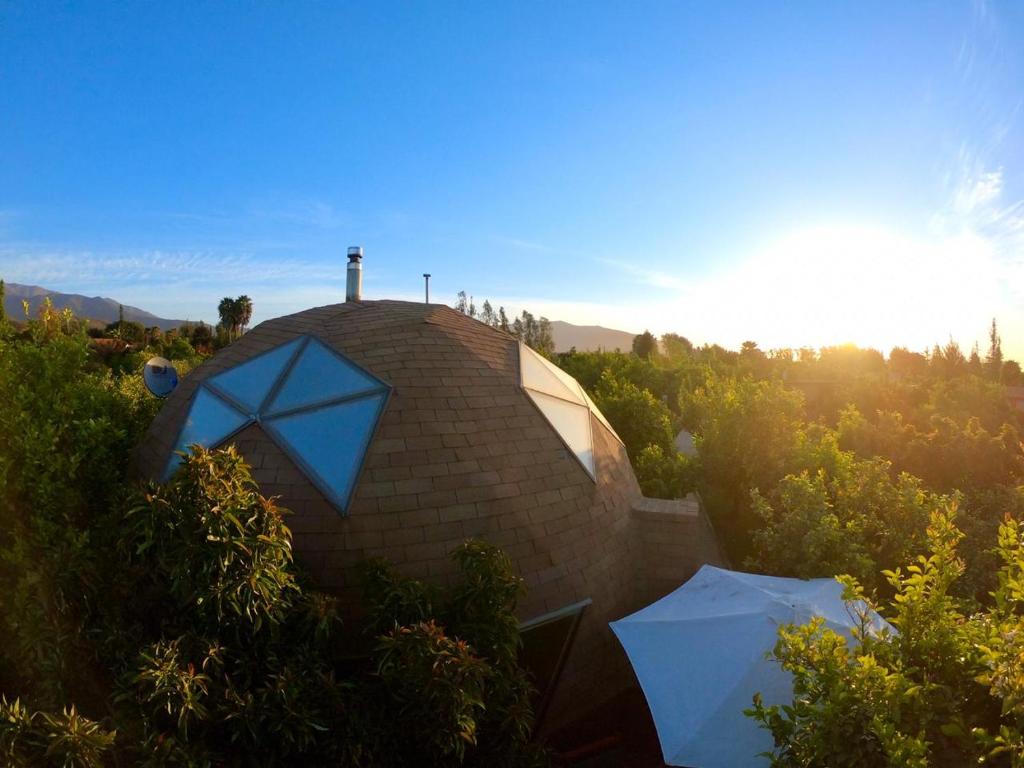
<point x="249" y="383"/>
<point x="210" y="420"/>
<point x="329" y="442"/>
<point x="320" y="375"/>
<point x="320" y="408"/>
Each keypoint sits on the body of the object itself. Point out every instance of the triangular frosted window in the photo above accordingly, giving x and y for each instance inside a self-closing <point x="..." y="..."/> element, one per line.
<point x="542" y="376"/>
<point x="329" y="442"/>
<point x="564" y="403"/>
<point x="209" y="421"/>
<point x="572" y="423"/>
<point x="600" y="416"/>
<point x="250" y="382"/>
<point x="320" y="375"/>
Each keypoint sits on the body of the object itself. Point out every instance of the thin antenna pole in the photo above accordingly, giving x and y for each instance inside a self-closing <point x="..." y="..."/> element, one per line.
<point x="426" y="286"/>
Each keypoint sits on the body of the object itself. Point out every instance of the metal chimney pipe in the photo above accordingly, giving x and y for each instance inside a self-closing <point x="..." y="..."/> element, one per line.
<point x="354" y="284"/>
<point x="426" y="278"/>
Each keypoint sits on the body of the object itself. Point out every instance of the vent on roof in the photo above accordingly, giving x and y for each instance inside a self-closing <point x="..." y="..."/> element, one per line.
<point x="354" y="285"/>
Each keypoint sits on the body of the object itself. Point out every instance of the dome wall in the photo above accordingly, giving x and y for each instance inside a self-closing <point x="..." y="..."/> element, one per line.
<point x="460" y="452"/>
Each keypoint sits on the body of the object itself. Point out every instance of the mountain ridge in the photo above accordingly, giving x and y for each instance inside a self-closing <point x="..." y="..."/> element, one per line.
<point x="584" y="338"/>
<point x="99" y="308"/>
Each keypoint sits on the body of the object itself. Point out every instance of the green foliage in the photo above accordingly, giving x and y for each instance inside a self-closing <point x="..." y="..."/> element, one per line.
<point x="437" y="686"/>
<point x="533" y="332"/>
<point x="477" y="641"/>
<point x="235" y="315"/>
<point x="645" y="345"/>
<point x="68" y="428"/>
<point x="177" y="348"/>
<point x="664" y="474"/>
<point x="747" y="434"/>
<point x="218" y="545"/>
<point x="850" y="515"/>
<point x="126" y="330"/>
<point x="173" y="617"/>
<point x="847" y="710"/>
<point x="61" y="740"/>
<point x="944" y="690"/>
<point x="676" y="347"/>
<point x="638" y="417"/>
<point x="238" y="658"/>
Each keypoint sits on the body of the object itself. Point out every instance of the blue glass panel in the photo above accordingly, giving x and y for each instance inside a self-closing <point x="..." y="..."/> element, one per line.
<point x="250" y="382"/>
<point x="330" y="441"/>
<point x="320" y="375"/>
<point x="209" y="421"/>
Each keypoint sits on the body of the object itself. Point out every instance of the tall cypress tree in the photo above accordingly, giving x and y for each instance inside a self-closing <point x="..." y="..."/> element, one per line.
<point x="994" y="358"/>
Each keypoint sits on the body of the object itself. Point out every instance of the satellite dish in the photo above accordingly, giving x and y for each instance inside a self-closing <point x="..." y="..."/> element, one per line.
<point x="160" y="376"/>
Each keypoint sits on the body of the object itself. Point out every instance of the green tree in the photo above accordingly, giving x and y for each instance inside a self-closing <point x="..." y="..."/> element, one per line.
<point x="676" y="347"/>
<point x="244" y="304"/>
<point x="638" y="417"/>
<point x="1011" y="373"/>
<point x="941" y="692"/>
<point x="534" y="333"/>
<point x="488" y="315"/>
<point x="230" y="314"/>
<point x="645" y="345"/>
<point x="664" y="474"/>
<point x="200" y="335"/>
<point x="850" y="515"/>
<point x="69" y="427"/>
<point x="747" y="435"/>
<point x="994" y="358"/>
<point x="125" y="330"/>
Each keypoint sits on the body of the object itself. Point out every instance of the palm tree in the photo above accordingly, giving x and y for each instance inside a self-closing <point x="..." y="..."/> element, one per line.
<point x="244" y="305"/>
<point x="228" y="311"/>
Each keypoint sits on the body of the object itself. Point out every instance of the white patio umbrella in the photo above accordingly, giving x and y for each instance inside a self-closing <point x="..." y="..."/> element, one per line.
<point x="699" y="654"/>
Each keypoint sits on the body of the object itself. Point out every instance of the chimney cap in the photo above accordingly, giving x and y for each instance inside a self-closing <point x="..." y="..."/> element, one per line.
<point x="355" y="253"/>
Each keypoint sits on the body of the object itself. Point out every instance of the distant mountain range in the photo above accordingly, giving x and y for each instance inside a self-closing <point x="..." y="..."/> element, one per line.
<point x="585" y="338"/>
<point x="94" y="308"/>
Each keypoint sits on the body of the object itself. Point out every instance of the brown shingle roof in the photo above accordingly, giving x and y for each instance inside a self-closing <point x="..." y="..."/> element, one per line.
<point x="461" y="451"/>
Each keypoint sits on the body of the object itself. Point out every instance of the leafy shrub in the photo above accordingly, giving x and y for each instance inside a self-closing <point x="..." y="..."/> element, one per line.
<point x="64" y="740"/>
<point x="944" y="690"/>
<point x="747" y="435"/>
<point x="664" y="474"/>
<point x="220" y="547"/>
<point x="639" y="418"/>
<point x="478" y="610"/>
<point x="68" y="428"/>
<point x="850" y="516"/>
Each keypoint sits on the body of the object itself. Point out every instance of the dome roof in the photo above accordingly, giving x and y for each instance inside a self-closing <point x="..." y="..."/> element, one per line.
<point x="317" y="383"/>
<point x="398" y="430"/>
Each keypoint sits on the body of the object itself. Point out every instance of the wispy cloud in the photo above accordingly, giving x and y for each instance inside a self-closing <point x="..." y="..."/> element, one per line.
<point x="523" y="245"/>
<point x="645" y="276"/>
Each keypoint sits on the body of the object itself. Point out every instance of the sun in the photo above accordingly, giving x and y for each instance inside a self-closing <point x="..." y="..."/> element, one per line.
<point x="868" y="285"/>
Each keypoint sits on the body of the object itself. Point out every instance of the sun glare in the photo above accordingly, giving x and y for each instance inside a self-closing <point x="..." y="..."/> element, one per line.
<point x="833" y="284"/>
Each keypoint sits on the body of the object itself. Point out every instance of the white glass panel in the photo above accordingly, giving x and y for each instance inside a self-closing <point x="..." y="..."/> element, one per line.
<point x="209" y="421"/>
<point x="543" y="376"/>
<point x="600" y="416"/>
<point x="250" y="382"/>
<point x="330" y="441"/>
<point x="318" y="375"/>
<point x="572" y="422"/>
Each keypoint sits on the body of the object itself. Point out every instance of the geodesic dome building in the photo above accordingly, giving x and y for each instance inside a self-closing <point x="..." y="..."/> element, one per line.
<point x="398" y="430"/>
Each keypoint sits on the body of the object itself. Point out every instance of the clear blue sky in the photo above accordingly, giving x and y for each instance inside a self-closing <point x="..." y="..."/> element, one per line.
<point x="634" y="164"/>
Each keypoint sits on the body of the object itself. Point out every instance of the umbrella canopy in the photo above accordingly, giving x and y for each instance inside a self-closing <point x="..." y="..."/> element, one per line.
<point x="699" y="654"/>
